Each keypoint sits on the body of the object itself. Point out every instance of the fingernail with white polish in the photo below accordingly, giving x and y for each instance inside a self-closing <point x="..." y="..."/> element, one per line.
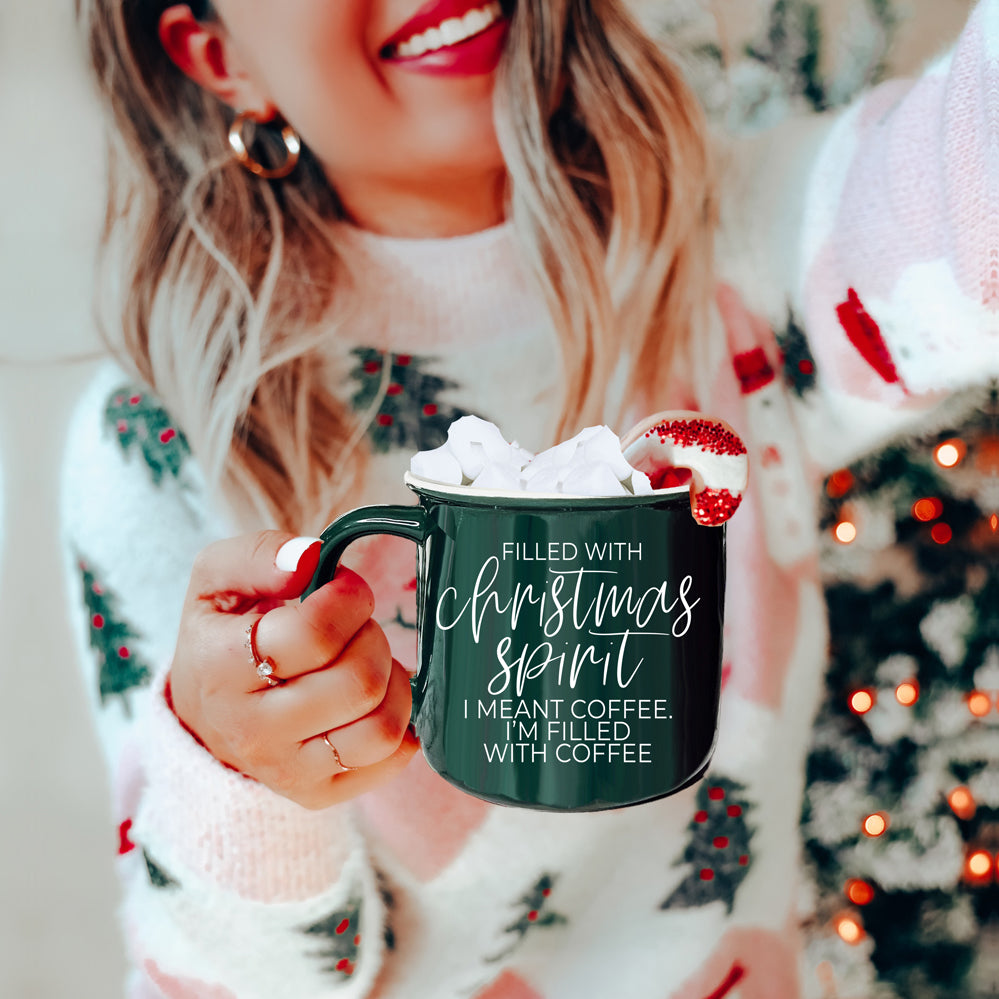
<point x="291" y="552"/>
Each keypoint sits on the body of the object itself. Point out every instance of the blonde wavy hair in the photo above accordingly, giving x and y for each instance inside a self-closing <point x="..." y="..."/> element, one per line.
<point x="225" y="290"/>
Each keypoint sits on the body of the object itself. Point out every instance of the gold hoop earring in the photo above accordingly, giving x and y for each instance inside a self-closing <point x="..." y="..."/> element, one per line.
<point x="292" y="144"/>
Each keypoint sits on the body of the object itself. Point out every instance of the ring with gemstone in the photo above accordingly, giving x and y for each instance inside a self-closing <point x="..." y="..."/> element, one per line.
<point x="263" y="665"/>
<point x="336" y="755"/>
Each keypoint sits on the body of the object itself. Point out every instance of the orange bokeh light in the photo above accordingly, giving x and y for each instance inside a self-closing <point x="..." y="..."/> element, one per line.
<point x="979" y="864"/>
<point x="859" y="892"/>
<point x="941" y="533"/>
<point x="950" y="453"/>
<point x="979" y="704"/>
<point x="927" y="509"/>
<point x="907" y="693"/>
<point x="994" y="522"/>
<point x="849" y="929"/>
<point x="861" y="701"/>
<point x="962" y="803"/>
<point x="875" y="824"/>
<point x="845" y="532"/>
<point x="839" y="483"/>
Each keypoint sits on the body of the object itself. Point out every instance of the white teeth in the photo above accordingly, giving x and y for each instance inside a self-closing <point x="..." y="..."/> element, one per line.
<point x="451" y="31"/>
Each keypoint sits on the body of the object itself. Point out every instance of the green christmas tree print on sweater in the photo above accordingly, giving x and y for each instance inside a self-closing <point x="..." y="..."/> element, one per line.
<point x="535" y="912"/>
<point x="120" y="669"/>
<point x="341" y="938"/>
<point x="412" y="415"/>
<point x="138" y="422"/>
<point x="717" y="848"/>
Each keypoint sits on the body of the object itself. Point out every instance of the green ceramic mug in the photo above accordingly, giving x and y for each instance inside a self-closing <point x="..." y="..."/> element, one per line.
<point x="569" y="648"/>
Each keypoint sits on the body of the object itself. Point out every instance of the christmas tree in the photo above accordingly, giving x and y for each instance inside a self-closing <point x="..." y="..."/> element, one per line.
<point x="410" y="411"/>
<point x="717" y="846"/>
<point x="139" y="422"/>
<point x="901" y="814"/>
<point x="120" y="669"/>
<point x="535" y="912"/>
<point x="340" y="932"/>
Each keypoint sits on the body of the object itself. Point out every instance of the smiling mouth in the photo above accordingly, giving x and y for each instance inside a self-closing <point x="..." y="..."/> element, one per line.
<point x="451" y="31"/>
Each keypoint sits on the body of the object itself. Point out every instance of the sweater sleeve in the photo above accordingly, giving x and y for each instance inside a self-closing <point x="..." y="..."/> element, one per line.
<point x="875" y="234"/>
<point x="228" y="888"/>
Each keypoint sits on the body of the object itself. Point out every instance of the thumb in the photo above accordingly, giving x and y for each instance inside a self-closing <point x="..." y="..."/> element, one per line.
<point x="235" y="573"/>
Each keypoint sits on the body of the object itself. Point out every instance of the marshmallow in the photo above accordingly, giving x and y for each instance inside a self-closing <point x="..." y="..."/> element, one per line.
<point x="474" y="442"/>
<point x="593" y="480"/>
<point x="641" y="484"/>
<point x="438" y="465"/>
<point x="605" y="446"/>
<point x="477" y="454"/>
<point x="546" y="481"/>
<point x="498" y="477"/>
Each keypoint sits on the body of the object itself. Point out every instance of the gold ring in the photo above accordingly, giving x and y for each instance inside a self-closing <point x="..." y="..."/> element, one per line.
<point x="336" y="755"/>
<point x="264" y="666"/>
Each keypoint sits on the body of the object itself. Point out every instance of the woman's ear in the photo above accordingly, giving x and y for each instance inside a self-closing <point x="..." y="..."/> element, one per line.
<point x="203" y="52"/>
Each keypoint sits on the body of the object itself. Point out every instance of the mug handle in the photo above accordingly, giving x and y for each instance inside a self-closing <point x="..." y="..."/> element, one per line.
<point x="411" y="522"/>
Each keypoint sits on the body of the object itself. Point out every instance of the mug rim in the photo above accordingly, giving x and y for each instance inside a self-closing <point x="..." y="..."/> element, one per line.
<point x="508" y="498"/>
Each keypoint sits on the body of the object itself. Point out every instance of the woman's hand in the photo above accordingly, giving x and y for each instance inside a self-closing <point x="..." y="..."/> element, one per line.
<point x="333" y="676"/>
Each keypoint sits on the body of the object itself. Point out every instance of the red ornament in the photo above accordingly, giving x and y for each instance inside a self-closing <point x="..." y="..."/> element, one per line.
<point x="744" y="859"/>
<point x="394" y="389"/>
<point x="403" y="360"/>
<point x="372" y="367"/>
<point x="716" y="793"/>
<point x="167" y="435"/>
<point x="98" y="620"/>
<point x="385" y="420"/>
<point x="532" y="915"/>
<point x="720" y="842"/>
<point x="135" y="400"/>
<point x="123" y="652"/>
<point x="734" y="811"/>
<point x="707" y="874"/>
<point x="429" y="409"/>
<point x="701" y="816"/>
<point x="342" y="927"/>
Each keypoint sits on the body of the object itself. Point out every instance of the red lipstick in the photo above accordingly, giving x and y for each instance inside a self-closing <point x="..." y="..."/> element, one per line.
<point x="472" y="55"/>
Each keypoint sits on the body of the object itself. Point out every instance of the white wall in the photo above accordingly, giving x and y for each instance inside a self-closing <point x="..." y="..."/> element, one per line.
<point x="57" y="891"/>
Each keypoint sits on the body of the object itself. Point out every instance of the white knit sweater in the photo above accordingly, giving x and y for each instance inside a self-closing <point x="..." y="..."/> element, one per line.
<point x="875" y="232"/>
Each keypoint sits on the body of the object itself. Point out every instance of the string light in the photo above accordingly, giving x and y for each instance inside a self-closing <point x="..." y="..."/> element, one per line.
<point x="861" y="701"/>
<point x="978" y="866"/>
<point x="907" y="693"/>
<point x="927" y="509"/>
<point x="950" y="453"/>
<point x="979" y="704"/>
<point x="859" y="892"/>
<point x="994" y="522"/>
<point x="875" y="824"/>
<point x="839" y="483"/>
<point x="845" y="532"/>
<point x="941" y="533"/>
<point x="962" y="803"/>
<point x="849" y="929"/>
